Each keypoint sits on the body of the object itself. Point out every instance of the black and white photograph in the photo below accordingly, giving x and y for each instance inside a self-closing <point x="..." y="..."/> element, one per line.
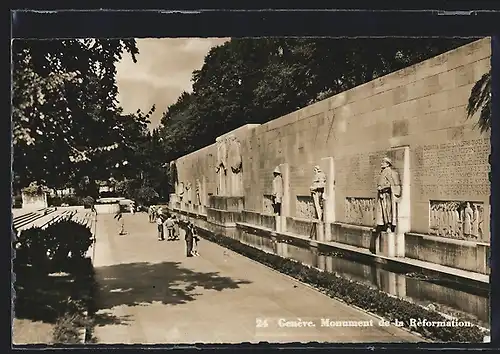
<point x="226" y="190"/>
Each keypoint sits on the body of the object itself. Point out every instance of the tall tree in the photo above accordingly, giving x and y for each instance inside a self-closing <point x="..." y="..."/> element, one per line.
<point x="64" y="106"/>
<point x="257" y="80"/>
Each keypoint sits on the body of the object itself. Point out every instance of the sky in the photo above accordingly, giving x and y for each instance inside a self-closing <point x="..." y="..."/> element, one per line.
<point x="163" y="70"/>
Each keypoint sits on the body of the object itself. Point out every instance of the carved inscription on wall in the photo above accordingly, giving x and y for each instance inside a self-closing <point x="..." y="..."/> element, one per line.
<point x="453" y="219"/>
<point x="360" y="211"/>
<point x="453" y="169"/>
<point x="305" y="208"/>
<point x="267" y="204"/>
<point x="358" y="173"/>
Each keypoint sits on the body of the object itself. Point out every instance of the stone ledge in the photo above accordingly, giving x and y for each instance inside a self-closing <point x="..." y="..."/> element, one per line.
<point x="461" y="254"/>
<point x="226" y="203"/>
<point x="455" y="274"/>
<point x="187" y="213"/>
<point x="257" y="218"/>
<point x="223" y="217"/>
<point x="353" y="226"/>
<point x="409" y="264"/>
<point x="467" y="243"/>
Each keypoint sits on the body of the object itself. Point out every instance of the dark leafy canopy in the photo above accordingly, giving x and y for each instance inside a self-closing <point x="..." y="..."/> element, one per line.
<point x="65" y="113"/>
<point x="256" y="80"/>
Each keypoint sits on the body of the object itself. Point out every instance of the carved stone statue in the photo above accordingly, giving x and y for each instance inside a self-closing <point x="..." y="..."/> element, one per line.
<point x="235" y="162"/>
<point x="198" y="192"/>
<point x="234" y="154"/>
<point x="277" y="193"/>
<point x="229" y="166"/>
<point x="180" y="190"/>
<point x="468" y="218"/>
<point x="189" y="191"/>
<point x="318" y="190"/>
<point x="221" y="166"/>
<point x="388" y="190"/>
<point x="173" y="174"/>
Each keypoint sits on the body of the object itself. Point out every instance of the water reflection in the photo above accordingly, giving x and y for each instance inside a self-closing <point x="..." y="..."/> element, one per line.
<point x="444" y="298"/>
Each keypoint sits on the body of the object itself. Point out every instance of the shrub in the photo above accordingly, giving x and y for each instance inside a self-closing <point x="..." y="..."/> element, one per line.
<point x="70" y="200"/>
<point x="53" y="247"/>
<point x="146" y="196"/>
<point x="34" y="189"/>
<point x="88" y="202"/>
<point x="354" y="293"/>
<point x="63" y="299"/>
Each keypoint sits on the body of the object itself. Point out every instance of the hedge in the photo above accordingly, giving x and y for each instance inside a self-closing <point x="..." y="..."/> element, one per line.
<point x="51" y="248"/>
<point x="354" y="293"/>
<point x="70" y="200"/>
<point x="63" y="299"/>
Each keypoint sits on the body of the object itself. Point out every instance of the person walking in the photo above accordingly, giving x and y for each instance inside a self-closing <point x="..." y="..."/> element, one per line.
<point x="121" y="222"/>
<point x="169" y="223"/>
<point x="189" y="240"/>
<point x="176" y="227"/>
<point x="159" y="224"/>
<point x="151" y="213"/>
<point x="196" y="238"/>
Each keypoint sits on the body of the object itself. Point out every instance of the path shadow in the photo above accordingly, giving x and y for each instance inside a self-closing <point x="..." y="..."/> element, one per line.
<point x="139" y="284"/>
<point x="44" y="297"/>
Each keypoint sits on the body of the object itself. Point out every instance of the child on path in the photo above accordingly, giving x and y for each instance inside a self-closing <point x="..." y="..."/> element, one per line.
<point x="121" y="222"/>
<point x="159" y="223"/>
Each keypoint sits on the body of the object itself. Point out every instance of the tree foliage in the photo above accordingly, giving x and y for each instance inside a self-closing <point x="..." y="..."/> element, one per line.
<point x="256" y="80"/>
<point x="64" y="107"/>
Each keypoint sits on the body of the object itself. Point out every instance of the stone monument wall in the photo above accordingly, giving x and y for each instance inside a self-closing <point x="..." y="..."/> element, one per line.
<point x="199" y="165"/>
<point x="416" y="115"/>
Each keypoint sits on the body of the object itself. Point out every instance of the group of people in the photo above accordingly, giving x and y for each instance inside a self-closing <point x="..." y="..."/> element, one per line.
<point x="172" y="224"/>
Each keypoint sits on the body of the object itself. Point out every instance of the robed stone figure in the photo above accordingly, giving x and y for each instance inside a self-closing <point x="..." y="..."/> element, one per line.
<point x="318" y="190"/>
<point x="388" y="191"/>
<point x="277" y="192"/>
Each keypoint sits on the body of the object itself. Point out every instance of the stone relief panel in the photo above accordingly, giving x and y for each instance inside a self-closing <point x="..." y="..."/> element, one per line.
<point x="305" y="208"/>
<point x="233" y="150"/>
<point x="267" y="204"/>
<point x="229" y="166"/>
<point x="455" y="219"/>
<point x="359" y="211"/>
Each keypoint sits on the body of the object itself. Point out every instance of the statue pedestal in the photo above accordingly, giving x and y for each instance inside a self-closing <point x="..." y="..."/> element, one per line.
<point x="320" y="231"/>
<point x="329" y="214"/>
<point x="279" y="226"/>
<point x="386" y="244"/>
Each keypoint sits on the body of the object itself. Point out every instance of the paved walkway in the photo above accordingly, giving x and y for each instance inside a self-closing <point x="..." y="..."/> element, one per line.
<point x="151" y="293"/>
